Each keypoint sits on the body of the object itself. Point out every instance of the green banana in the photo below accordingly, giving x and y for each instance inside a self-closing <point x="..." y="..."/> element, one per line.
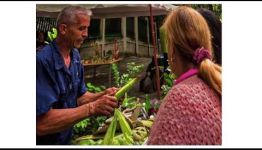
<point x="124" y="127"/>
<point x="140" y="133"/>
<point x="110" y="133"/>
<point x="146" y="123"/>
<point x="137" y="137"/>
<point x="125" y="88"/>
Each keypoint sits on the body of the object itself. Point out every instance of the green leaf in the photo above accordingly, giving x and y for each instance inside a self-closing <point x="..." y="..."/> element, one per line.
<point x="97" y="89"/>
<point x="129" y="102"/>
<point x="116" y="74"/>
<point x="110" y="133"/>
<point x="101" y="119"/>
<point x="147" y="103"/>
<point x="88" y="84"/>
<point x="102" y="87"/>
<point x="126" y="130"/>
<point x="87" y="142"/>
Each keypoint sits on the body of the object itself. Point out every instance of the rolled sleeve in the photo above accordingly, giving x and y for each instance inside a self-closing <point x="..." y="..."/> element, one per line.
<point x="46" y="94"/>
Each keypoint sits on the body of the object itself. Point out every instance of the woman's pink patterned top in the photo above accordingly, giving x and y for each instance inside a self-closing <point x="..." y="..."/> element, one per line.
<point x="190" y="114"/>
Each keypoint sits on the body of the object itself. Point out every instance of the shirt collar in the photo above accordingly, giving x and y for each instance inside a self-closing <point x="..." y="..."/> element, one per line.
<point x="58" y="59"/>
<point x="187" y="74"/>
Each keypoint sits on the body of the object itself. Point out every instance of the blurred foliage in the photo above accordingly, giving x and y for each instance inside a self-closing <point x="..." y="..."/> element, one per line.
<point x="216" y="8"/>
<point x="168" y="83"/>
<point x="94" y="89"/>
<point x="88" y="126"/>
<point x="133" y="70"/>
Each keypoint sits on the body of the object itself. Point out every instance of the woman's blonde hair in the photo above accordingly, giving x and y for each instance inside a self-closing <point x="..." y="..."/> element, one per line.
<point x="187" y="31"/>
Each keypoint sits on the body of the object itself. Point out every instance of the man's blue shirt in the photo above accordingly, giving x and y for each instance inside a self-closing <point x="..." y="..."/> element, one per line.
<point x="57" y="87"/>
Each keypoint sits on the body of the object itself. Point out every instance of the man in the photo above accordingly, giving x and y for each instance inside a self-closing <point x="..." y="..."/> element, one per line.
<point x="61" y="96"/>
<point x="40" y="43"/>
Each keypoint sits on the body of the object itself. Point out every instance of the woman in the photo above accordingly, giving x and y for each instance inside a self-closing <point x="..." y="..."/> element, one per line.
<point x="191" y="112"/>
<point x="215" y="27"/>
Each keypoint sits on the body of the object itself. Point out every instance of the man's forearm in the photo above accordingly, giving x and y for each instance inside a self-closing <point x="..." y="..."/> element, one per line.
<point x="57" y="120"/>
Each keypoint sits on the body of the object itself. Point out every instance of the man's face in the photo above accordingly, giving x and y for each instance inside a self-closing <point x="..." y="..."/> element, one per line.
<point x="78" y="31"/>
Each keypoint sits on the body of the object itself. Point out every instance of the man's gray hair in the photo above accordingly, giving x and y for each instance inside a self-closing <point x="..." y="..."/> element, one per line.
<point x="67" y="15"/>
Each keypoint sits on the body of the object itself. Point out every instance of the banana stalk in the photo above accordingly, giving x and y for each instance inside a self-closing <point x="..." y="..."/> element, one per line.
<point x="126" y="88"/>
<point x="110" y="133"/>
<point x="121" y="139"/>
<point x="124" y="127"/>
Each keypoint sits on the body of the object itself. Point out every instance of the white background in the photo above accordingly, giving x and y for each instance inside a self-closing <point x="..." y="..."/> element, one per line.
<point x="242" y="76"/>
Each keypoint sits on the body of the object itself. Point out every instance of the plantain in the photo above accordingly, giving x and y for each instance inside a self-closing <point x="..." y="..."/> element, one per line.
<point x="145" y="123"/>
<point x="110" y="133"/>
<point x="124" y="126"/>
<point x="140" y="133"/>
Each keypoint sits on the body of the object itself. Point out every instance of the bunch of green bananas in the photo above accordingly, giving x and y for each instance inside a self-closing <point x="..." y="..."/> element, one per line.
<point x="109" y="138"/>
<point x="145" y="123"/>
<point x="139" y="134"/>
<point x="120" y="140"/>
<point x="88" y="140"/>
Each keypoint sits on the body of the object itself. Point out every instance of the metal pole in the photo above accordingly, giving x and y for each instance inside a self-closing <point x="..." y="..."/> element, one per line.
<point x="155" y="52"/>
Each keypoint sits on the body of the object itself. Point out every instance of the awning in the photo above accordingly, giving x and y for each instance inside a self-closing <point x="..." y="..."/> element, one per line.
<point x="45" y="24"/>
<point x="107" y="10"/>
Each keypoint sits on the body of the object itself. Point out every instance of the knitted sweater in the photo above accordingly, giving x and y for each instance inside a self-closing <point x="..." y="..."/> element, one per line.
<point x="190" y="114"/>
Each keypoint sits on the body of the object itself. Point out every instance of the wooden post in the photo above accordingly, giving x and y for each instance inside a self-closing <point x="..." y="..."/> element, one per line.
<point x="155" y="52"/>
<point x="136" y="35"/>
<point x="103" y="24"/>
<point x="147" y="33"/>
<point x="124" y="33"/>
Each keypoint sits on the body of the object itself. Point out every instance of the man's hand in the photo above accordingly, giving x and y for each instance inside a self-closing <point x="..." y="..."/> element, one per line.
<point x="111" y="91"/>
<point x="103" y="106"/>
<point x="90" y="97"/>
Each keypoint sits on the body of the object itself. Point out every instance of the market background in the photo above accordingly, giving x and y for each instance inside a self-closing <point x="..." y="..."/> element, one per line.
<point x="241" y="74"/>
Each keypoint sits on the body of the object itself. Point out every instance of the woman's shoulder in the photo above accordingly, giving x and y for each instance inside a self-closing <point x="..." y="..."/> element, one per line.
<point x="191" y="90"/>
<point x="193" y="84"/>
